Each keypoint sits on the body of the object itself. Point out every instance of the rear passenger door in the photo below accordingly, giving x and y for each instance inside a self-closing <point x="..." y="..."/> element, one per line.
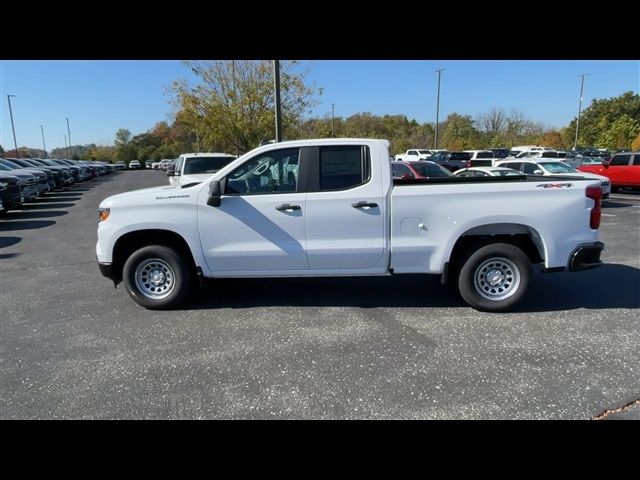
<point x="345" y="210"/>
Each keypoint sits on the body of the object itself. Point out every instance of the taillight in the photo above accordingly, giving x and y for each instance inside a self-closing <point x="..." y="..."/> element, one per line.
<point x="595" y="193"/>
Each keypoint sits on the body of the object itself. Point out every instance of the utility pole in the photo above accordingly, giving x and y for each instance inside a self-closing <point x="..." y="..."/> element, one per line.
<point x="276" y="80"/>
<point x="69" y="132"/>
<point x="44" y="147"/>
<point x="65" y="145"/>
<point x="12" y="126"/>
<point x="333" y="133"/>
<point x="439" y="71"/>
<point x="575" y="144"/>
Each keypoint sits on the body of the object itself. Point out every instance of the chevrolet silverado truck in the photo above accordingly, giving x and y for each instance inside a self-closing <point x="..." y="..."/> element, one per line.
<point x="331" y="208"/>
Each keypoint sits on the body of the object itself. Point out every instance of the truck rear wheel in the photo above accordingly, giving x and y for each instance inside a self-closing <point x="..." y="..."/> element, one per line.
<point x="494" y="277"/>
<point x="157" y="277"/>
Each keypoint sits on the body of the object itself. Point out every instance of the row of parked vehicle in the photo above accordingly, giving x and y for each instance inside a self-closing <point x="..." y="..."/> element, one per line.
<point x="619" y="170"/>
<point x="25" y="179"/>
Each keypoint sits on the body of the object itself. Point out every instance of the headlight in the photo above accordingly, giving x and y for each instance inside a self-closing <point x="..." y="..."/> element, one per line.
<point x="3" y="185"/>
<point x="103" y="214"/>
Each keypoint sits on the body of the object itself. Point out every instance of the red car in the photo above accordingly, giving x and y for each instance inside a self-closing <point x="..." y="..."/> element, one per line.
<point x="420" y="169"/>
<point x="623" y="169"/>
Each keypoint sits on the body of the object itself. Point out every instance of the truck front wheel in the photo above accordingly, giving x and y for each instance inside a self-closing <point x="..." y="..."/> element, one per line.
<point x="157" y="277"/>
<point x="494" y="277"/>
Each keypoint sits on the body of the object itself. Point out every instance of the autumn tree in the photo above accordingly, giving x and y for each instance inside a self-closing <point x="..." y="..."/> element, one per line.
<point x="459" y="132"/>
<point x="233" y="103"/>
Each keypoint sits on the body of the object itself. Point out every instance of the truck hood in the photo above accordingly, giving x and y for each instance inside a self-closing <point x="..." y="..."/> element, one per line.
<point x="148" y="196"/>
<point x="196" y="177"/>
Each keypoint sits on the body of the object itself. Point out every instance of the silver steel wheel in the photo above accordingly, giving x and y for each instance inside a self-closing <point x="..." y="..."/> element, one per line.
<point x="496" y="278"/>
<point x="155" y="279"/>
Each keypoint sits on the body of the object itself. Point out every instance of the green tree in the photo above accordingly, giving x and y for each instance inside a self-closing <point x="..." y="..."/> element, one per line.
<point x="619" y="134"/>
<point x="232" y="105"/>
<point x="635" y="145"/>
<point x="601" y="114"/>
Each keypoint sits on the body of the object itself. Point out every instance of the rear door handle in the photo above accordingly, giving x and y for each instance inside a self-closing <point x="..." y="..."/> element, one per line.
<point x="287" y="207"/>
<point x="364" y="204"/>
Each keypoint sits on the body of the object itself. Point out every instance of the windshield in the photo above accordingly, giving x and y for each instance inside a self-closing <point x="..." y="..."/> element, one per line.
<point x="423" y="152"/>
<point x="429" y="170"/>
<point x="557" y="167"/>
<point x="197" y="165"/>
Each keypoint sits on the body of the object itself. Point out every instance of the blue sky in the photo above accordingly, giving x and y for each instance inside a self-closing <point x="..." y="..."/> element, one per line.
<point x="101" y="96"/>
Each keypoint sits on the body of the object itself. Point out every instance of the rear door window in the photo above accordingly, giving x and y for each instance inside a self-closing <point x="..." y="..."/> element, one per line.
<point x="343" y="167"/>
<point x="620" y="160"/>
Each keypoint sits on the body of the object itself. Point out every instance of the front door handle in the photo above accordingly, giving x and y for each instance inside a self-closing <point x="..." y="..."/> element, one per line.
<point x="364" y="204"/>
<point x="287" y="207"/>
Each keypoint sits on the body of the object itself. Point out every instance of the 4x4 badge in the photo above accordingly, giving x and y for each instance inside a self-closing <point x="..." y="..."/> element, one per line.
<point x="553" y="185"/>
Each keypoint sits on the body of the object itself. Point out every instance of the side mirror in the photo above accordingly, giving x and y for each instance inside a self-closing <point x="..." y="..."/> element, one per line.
<point x="538" y="172"/>
<point x="605" y="163"/>
<point x="171" y="172"/>
<point x="215" y="196"/>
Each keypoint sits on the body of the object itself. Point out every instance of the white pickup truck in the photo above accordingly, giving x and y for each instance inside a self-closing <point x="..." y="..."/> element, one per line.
<point x="331" y="208"/>
<point x="413" y="155"/>
<point x="196" y="167"/>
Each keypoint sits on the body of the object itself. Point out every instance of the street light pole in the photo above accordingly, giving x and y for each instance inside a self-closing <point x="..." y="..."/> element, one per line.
<point x="69" y="132"/>
<point x="333" y="133"/>
<point x="65" y="145"/>
<point x="276" y="81"/>
<point x="12" y="126"/>
<point x="44" y="147"/>
<point x="575" y="144"/>
<point x="439" y="71"/>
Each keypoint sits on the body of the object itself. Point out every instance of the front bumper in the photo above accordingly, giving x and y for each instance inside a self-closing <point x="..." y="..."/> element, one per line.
<point x="106" y="269"/>
<point x="586" y="257"/>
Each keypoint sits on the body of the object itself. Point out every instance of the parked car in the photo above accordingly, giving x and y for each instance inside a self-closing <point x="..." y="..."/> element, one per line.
<point x="487" y="172"/>
<point x="577" y="162"/>
<point x="42" y="184"/>
<point x="28" y="182"/>
<point x="51" y="174"/>
<point x="10" y="191"/>
<point x="500" y="152"/>
<point x="549" y="167"/>
<point x="134" y="164"/>
<point x="65" y="171"/>
<point x="119" y="165"/>
<point x="452" y="161"/>
<point x="196" y="167"/>
<point x="413" y="154"/>
<point x="481" y="158"/>
<point x="424" y="169"/>
<point x="345" y="215"/>
<point x="623" y="170"/>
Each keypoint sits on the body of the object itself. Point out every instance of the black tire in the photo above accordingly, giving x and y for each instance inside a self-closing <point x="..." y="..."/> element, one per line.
<point x="178" y="269"/>
<point x="501" y="261"/>
<point x="615" y="189"/>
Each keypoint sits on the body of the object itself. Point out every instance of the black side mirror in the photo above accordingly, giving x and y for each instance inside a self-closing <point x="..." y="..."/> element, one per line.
<point x="215" y="195"/>
<point x="605" y="163"/>
<point x="171" y="172"/>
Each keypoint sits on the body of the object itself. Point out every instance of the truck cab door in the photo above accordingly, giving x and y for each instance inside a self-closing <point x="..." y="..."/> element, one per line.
<point x="259" y="228"/>
<point x="346" y="210"/>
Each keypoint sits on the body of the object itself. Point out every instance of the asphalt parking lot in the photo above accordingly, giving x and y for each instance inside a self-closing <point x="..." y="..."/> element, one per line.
<point x="401" y="347"/>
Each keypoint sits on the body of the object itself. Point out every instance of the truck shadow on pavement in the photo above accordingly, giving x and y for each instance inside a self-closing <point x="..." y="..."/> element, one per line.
<point x="609" y="286"/>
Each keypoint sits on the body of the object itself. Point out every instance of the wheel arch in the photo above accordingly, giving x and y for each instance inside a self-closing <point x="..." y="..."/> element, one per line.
<point x="132" y="241"/>
<point x="522" y="236"/>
